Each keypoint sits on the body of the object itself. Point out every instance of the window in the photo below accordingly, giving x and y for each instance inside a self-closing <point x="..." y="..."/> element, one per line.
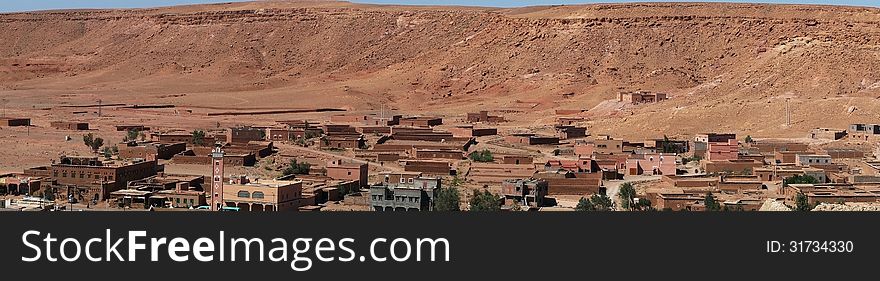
<point x="349" y="173"/>
<point x="244" y="194"/>
<point x="258" y="195"/>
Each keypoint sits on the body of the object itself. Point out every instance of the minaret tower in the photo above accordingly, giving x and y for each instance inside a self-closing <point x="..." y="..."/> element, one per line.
<point x="217" y="179"/>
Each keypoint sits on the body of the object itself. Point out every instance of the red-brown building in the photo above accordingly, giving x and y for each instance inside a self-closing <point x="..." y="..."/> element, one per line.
<point x="340" y="170"/>
<point x="66" y="125"/>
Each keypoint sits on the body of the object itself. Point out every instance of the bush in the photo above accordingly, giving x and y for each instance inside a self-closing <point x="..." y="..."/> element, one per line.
<point x="482" y="156"/>
<point x="485" y="201"/>
<point x="297" y="168"/>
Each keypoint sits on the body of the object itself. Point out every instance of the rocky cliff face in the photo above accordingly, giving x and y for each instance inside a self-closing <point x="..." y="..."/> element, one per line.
<point x="727" y="66"/>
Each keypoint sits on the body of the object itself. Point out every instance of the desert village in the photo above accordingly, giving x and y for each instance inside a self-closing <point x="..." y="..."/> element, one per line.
<point x="331" y="160"/>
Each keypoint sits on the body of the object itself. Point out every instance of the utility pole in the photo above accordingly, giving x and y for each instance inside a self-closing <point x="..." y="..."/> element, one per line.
<point x="99" y="108"/>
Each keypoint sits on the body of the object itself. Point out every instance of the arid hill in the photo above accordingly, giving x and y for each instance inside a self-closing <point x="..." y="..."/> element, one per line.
<point x="728" y="67"/>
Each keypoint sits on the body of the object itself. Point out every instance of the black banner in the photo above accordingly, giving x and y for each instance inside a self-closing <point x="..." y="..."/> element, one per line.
<point x="582" y="245"/>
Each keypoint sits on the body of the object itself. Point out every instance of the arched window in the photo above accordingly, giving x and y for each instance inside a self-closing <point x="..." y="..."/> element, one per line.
<point x="244" y="194"/>
<point x="258" y="195"/>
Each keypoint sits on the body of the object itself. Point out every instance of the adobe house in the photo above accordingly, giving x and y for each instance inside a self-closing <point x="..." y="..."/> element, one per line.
<point x="492" y="173"/>
<point x="484" y="117"/>
<point x="569" y="121"/>
<point x="421" y="121"/>
<point x="680" y="201"/>
<point x="438" y="154"/>
<point x="701" y="142"/>
<point x="354" y="118"/>
<point x="847" y="153"/>
<point x="125" y="128"/>
<point x="399" y="177"/>
<point x="572" y="183"/>
<point x="771" y="146"/>
<point x="343" y="142"/>
<point x="14" y="122"/>
<point x="428" y="167"/>
<point x="640" y="97"/>
<point x="420" y="134"/>
<point x="719" y="151"/>
<point x="863" y="132"/>
<point x="827" y="133"/>
<point x="341" y="170"/>
<point x="73" y="126"/>
<point x="517" y="159"/>
<point x="98" y="179"/>
<point x="176" y="137"/>
<point x="150" y="150"/>
<point x="670" y="145"/>
<point x="735" y="166"/>
<point x="651" y="164"/>
<point x="266" y="195"/>
<point x="781" y="172"/>
<point x="570" y="132"/>
<point x="527" y="192"/>
<point x="14" y="184"/>
<point x="468" y="131"/>
<point x="608" y="146"/>
<point x="245" y="134"/>
<point x="806" y="160"/>
<point x="530" y="139"/>
<point x="376" y="130"/>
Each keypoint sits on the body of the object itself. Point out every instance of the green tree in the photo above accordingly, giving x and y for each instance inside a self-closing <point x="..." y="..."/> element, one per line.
<point x="97" y="143"/>
<point x="802" y="204"/>
<point x="749" y="139"/>
<point x="644" y="205"/>
<point x="601" y="202"/>
<point x="107" y="152"/>
<point x="482" y="156"/>
<point x="296" y="168"/>
<point x="799" y="179"/>
<point x="131" y="135"/>
<point x="198" y="137"/>
<point x="626" y="194"/>
<point x="584" y="205"/>
<point x="447" y="199"/>
<point x="712" y="205"/>
<point x="88" y="139"/>
<point x="484" y="201"/>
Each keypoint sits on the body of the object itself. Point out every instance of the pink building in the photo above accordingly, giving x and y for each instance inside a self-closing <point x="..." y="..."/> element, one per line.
<point x="721" y="151"/>
<point x="651" y="164"/>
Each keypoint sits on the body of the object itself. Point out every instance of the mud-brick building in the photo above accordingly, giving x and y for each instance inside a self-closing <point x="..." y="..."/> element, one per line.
<point x="67" y="125"/>
<point x="243" y="135"/>
<point x="95" y="179"/>
<point x="341" y="170"/>
<point x="14" y="122"/>
<point x="150" y="150"/>
<point x="484" y="117"/>
<point x="421" y="121"/>
<point x="343" y="142"/>
<point x="639" y="97"/>
<point x="527" y="192"/>
<point x="428" y="167"/>
<point x="531" y="139"/>
<point x="266" y="195"/>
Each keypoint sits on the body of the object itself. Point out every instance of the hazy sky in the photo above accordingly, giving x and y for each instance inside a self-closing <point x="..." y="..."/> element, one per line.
<point x="30" y="5"/>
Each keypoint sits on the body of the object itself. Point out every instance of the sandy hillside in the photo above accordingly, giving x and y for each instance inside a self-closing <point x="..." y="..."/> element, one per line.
<point x="728" y="67"/>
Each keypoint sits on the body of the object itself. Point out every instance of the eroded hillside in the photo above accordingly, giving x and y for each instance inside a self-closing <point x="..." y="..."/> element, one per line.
<point x="728" y="67"/>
